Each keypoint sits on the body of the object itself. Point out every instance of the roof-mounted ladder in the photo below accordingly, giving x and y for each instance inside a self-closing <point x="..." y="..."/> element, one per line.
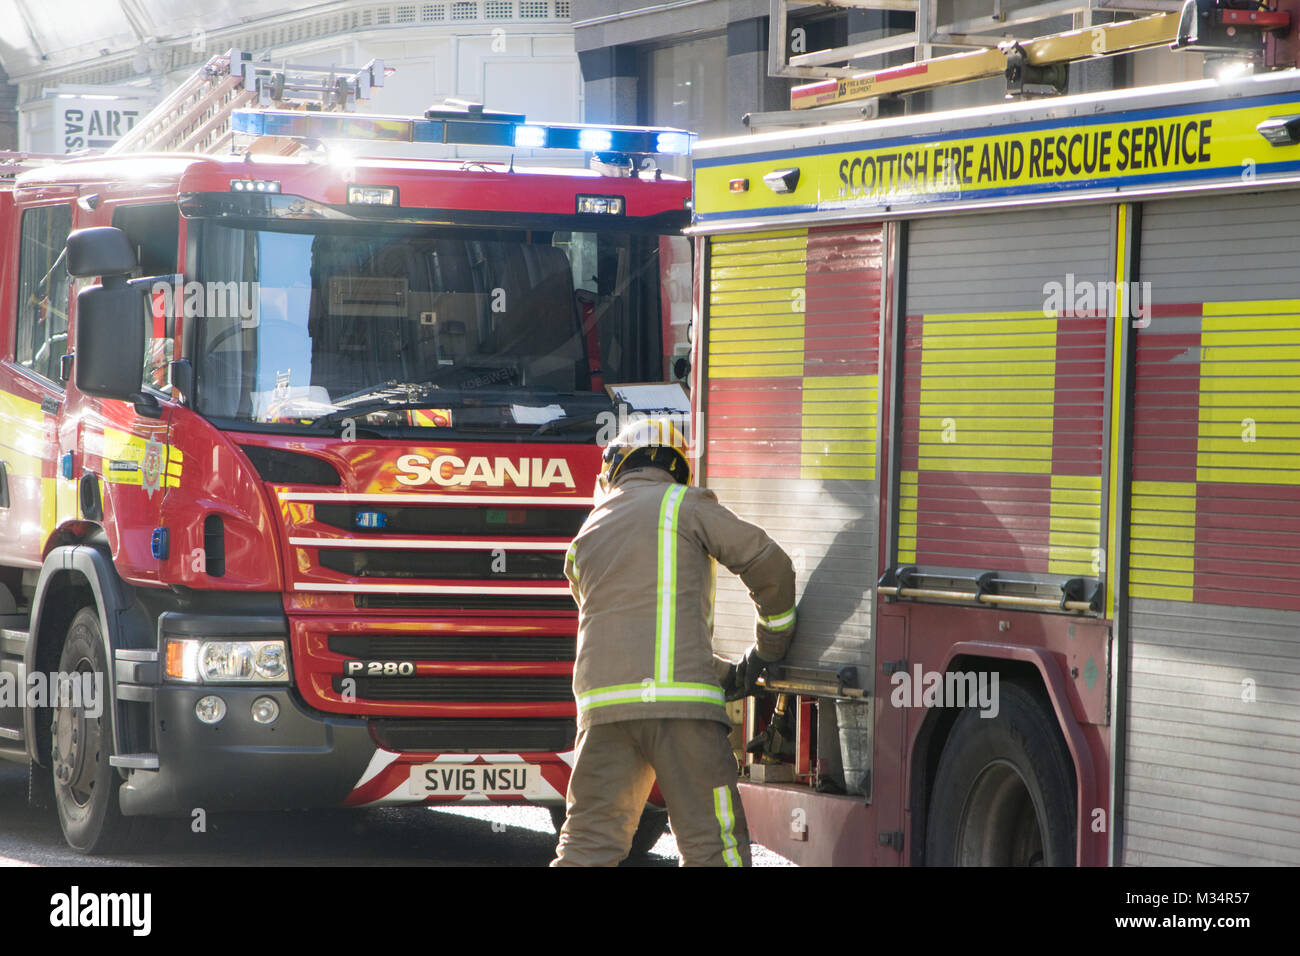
<point x="13" y="163"/>
<point x="1239" y="26"/>
<point x="195" y="117"/>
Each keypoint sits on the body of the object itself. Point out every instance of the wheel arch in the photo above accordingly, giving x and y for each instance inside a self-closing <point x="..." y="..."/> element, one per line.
<point x="1035" y="669"/>
<point x="71" y="578"/>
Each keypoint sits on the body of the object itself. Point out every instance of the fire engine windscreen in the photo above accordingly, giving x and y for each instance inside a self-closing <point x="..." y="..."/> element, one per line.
<point x="402" y="326"/>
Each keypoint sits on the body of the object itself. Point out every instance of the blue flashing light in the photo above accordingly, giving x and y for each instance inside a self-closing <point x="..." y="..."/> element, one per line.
<point x="672" y="142"/>
<point x="371" y="519"/>
<point x="500" y="130"/>
<point x="65" y="464"/>
<point x="158" y="544"/>
<point x="595" y="140"/>
<point x="530" y="137"/>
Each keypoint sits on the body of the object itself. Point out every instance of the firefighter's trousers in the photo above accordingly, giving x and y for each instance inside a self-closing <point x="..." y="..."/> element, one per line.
<point x="616" y="765"/>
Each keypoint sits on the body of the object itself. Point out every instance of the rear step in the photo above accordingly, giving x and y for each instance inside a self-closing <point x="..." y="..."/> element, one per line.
<point x="13" y="645"/>
<point x="13" y="635"/>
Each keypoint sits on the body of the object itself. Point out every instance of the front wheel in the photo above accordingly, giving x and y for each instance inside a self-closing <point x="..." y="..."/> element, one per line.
<point x="81" y="737"/>
<point x="1004" y="791"/>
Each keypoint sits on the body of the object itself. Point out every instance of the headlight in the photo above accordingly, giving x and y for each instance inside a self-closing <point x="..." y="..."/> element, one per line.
<point x="226" y="662"/>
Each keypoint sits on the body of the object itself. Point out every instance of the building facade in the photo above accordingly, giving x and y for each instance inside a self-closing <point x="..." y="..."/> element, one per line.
<point x="514" y="55"/>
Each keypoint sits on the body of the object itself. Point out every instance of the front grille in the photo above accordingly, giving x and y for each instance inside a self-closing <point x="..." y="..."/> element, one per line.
<point x="460" y="519"/>
<point x="459" y="689"/>
<point x="450" y="565"/>
<point x="476" y="736"/>
<point x="426" y="647"/>
<point x="474" y="602"/>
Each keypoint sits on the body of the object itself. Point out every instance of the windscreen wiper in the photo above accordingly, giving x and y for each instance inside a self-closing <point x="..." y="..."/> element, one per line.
<point x="557" y="425"/>
<point x="391" y="396"/>
<point x="362" y="409"/>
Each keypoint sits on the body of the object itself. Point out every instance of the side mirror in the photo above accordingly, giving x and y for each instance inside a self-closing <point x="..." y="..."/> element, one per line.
<point x="111" y="322"/>
<point x="110" y="342"/>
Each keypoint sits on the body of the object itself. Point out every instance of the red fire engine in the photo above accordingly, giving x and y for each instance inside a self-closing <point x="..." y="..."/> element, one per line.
<point x="293" y="443"/>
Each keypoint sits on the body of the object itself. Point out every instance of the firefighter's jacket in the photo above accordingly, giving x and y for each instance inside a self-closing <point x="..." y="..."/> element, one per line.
<point x="642" y="571"/>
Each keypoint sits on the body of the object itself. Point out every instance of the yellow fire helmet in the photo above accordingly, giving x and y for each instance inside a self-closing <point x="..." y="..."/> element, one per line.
<point x="650" y="441"/>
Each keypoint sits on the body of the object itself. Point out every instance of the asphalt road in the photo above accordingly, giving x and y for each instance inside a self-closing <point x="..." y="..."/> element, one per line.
<point x="415" y="836"/>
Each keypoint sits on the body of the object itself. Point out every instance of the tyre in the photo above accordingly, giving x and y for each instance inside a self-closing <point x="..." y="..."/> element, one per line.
<point x="1004" y="791"/>
<point x="85" y="786"/>
<point x="649" y="829"/>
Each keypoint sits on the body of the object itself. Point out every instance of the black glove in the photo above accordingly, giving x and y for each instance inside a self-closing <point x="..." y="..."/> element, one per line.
<point x="742" y="678"/>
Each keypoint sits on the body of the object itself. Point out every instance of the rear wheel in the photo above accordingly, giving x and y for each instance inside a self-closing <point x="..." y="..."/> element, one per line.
<point x="1004" y="791"/>
<point x="85" y="786"/>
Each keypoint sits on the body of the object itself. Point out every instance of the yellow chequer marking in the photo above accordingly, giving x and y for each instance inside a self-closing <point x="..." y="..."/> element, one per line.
<point x="741" y="316"/>
<point x="1162" y="540"/>
<point x="942" y="403"/>
<point x="1164" y="532"/>
<point x="1249" y="416"/>
<point x="975" y="423"/>
<point x="838" y="440"/>
<point x="1215" y="312"/>
<point x="24" y="435"/>
<point x="907" y="493"/>
<point x="994" y="340"/>
<point x="772" y="276"/>
<point x="1073" y="539"/>
<point x="759" y="305"/>
<point x="1017" y="354"/>
<point x="1018" y="369"/>
<point x="940" y="356"/>
<point x="1022" y="344"/>
<point x="794" y="331"/>
<point x="724" y="258"/>
<point x="118" y="445"/>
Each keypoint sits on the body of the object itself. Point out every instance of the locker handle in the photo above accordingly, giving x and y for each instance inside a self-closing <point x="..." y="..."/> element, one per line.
<point x="1014" y="600"/>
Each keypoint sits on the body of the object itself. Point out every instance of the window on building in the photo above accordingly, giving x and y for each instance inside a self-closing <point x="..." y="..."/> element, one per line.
<point x="42" y="330"/>
<point x="686" y="86"/>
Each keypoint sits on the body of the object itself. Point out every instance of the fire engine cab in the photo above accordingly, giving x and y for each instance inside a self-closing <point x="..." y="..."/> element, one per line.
<point x="292" y="444"/>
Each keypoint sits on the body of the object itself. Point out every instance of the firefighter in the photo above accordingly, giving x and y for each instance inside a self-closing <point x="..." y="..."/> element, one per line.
<point x="649" y="689"/>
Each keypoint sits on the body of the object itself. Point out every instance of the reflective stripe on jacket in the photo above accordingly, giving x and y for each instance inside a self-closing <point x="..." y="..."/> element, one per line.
<point x="642" y="571"/>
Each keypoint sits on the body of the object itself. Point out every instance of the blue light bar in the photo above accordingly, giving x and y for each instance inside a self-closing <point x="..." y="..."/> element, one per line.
<point x="596" y="140"/>
<point x="530" y="137"/>
<point x="678" y="143"/>
<point x="468" y="131"/>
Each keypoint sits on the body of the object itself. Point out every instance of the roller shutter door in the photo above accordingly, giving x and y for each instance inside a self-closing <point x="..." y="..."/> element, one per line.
<point x="1212" y="770"/>
<point x="1003" y="394"/>
<point x="791" y="347"/>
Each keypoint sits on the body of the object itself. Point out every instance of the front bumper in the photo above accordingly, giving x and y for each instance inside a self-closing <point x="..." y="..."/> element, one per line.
<point x="174" y="763"/>
<point x="302" y="760"/>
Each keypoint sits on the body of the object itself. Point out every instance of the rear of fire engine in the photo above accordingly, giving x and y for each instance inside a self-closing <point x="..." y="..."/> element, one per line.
<point x="1018" y="388"/>
<point x="293" y="447"/>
